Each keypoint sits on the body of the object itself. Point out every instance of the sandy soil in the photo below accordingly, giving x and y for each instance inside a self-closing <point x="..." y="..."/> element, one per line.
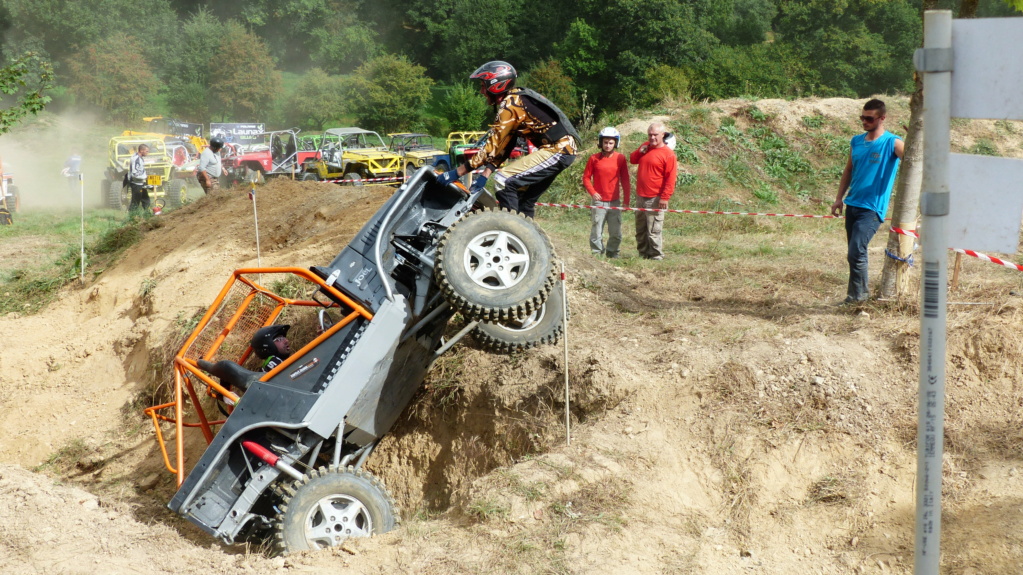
<point x="724" y="420"/>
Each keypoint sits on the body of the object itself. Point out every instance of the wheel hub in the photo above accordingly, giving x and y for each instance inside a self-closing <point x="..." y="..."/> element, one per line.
<point x="496" y="260"/>
<point x="336" y="518"/>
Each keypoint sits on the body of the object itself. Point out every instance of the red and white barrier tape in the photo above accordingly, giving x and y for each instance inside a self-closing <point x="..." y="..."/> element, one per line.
<point x="353" y="182"/>
<point x="971" y="253"/>
<point x="621" y="209"/>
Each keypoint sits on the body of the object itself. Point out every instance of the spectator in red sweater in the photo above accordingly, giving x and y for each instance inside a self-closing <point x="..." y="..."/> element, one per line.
<point x="605" y="177"/>
<point x="655" y="182"/>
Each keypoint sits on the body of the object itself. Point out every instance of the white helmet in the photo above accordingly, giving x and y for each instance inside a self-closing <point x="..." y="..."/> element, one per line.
<point x="669" y="140"/>
<point x="609" y="132"/>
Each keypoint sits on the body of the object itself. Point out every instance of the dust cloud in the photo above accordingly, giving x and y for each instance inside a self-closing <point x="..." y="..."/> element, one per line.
<point x="34" y="153"/>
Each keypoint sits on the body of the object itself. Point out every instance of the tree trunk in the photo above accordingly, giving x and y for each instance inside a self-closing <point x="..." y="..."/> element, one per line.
<point x="894" y="279"/>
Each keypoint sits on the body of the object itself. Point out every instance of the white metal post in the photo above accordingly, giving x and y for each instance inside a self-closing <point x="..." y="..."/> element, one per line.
<point x="81" y="187"/>
<point x="934" y="207"/>
<point x="564" y="312"/>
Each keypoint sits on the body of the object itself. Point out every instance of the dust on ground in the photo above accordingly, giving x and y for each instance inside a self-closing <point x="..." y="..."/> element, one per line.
<point x="727" y="416"/>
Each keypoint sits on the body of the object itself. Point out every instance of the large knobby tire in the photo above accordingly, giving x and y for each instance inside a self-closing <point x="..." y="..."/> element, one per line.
<point x="308" y="177"/>
<point x="410" y="170"/>
<point x="495" y="265"/>
<point x="176" y="195"/>
<point x="330" y="505"/>
<point x="353" y="179"/>
<point x="543" y="326"/>
<point x="15" y="204"/>
<point x="118" y="196"/>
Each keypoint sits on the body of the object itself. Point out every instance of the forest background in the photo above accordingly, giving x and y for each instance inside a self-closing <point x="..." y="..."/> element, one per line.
<point x="395" y="65"/>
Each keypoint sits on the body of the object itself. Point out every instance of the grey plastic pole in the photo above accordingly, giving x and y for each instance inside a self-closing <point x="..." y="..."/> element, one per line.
<point x="934" y="202"/>
<point x="255" y="217"/>
<point x="81" y="186"/>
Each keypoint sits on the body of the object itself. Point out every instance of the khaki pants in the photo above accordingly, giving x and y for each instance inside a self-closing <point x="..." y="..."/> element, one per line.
<point x="209" y="183"/>
<point x="648" y="228"/>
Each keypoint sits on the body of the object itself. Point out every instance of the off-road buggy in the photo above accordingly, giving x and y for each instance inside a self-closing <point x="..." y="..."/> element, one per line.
<point x="278" y="155"/>
<point x="353" y="155"/>
<point x="287" y="460"/>
<point x="416" y="151"/>
<point x="165" y="189"/>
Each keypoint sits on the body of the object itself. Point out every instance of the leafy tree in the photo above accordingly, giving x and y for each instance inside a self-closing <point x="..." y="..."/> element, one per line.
<point x="744" y="22"/>
<point x="388" y="93"/>
<point x="343" y="43"/>
<point x="465" y="109"/>
<point x="664" y="83"/>
<point x="188" y="71"/>
<point x="765" y="70"/>
<point x="65" y="28"/>
<point x="25" y="79"/>
<point x="115" y="76"/>
<point x="244" y="78"/>
<point x="317" y="101"/>
<point x="857" y="47"/>
<point x="550" y="80"/>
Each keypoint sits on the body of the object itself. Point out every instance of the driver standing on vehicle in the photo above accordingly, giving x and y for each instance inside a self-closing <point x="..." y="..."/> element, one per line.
<point x="137" y="180"/>
<point x="210" y="167"/>
<point x="521" y="112"/>
<point x="271" y="344"/>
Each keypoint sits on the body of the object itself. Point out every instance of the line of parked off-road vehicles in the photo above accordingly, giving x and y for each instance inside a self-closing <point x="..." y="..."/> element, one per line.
<point x="350" y="156"/>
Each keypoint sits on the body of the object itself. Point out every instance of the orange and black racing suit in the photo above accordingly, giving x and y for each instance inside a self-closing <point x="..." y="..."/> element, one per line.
<point x="524" y="113"/>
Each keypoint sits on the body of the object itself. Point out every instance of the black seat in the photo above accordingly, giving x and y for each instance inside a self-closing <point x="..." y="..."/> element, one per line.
<point x="230" y="373"/>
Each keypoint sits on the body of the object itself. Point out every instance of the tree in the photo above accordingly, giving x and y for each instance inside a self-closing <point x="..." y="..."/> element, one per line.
<point x="549" y="79"/>
<point x="465" y="109"/>
<point x="115" y="76"/>
<point x="188" y="71"/>
<point x="27" y="75"/>
<point x="244" y="79"/>
<point x="316" y="101"/>
<point x="342" y="43"/>
<point x="388" y="93"/>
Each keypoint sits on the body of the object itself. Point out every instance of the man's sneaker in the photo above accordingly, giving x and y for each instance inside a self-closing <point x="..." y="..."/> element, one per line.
<point x="657" y="258"/>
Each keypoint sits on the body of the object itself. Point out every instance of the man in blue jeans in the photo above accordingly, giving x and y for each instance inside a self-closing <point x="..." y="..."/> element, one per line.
<point x="868" y="178"/>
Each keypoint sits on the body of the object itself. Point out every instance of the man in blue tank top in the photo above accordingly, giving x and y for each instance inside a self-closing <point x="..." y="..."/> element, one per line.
<point x="868" y="178"/>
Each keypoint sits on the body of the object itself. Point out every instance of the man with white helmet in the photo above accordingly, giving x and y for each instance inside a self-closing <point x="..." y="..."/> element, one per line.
<point x="605" y="177"/>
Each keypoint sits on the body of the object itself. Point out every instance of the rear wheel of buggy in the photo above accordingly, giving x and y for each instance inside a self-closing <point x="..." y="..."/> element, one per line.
<point x="118" y="196"/>
<point x="177" y="196"/>
<point x="495" y="265"/>
<point x="543" y="326"/>
<point x="330" y="505"/>
<point x="353" y="179"/>
<point x="308" y="177"/>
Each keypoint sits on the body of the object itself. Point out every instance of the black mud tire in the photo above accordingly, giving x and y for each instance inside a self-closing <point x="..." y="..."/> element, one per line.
<point x="308" y="177"/>
<point x="362" y="503"/>
<point x="410" y="170"/>
<point x="353" y="179"/>
<point x="495" y="265"/>
<point x="542" y="327"/>
<point x="176" y="195"/>
<point x="15" y="204"/>
<point x="118" y="196"/>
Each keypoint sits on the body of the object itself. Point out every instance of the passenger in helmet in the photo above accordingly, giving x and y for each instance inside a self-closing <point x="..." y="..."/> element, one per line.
<point x="210" y="167"/>
<point x="271" y="344"/>
<point x="606" y="176"/>
<point x="521" y="112"/>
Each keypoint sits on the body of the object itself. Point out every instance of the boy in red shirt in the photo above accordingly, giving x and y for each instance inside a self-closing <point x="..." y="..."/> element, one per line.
<point x="655" y="182"/>
<point x="605" y="176"/>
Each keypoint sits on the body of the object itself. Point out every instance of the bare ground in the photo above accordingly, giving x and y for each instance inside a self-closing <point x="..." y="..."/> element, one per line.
<point x="727" y="416"/>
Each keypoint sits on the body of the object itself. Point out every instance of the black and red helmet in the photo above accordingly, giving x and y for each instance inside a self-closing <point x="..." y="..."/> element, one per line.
<point x="495" y="78"/>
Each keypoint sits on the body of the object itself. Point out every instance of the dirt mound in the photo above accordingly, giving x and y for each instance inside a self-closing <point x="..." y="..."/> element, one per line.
<point x="726" y="417"/>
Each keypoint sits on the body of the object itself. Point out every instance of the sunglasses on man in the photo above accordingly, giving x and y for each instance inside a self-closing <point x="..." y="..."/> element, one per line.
<point x="869" y="118"/>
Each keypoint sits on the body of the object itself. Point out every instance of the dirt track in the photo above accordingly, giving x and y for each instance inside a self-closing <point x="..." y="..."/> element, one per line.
<point x="726" y="421"/>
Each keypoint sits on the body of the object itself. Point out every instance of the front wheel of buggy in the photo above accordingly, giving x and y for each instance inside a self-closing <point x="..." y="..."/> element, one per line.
<point x="330" y="505"/>
<point x="495" y="265"/>
<point x="308" y="177"/>
<point x="352" y="179"/>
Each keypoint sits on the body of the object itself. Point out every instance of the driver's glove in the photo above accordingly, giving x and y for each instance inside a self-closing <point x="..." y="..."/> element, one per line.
<point x="478" y="184"/>
<point x="448" y="177"/>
